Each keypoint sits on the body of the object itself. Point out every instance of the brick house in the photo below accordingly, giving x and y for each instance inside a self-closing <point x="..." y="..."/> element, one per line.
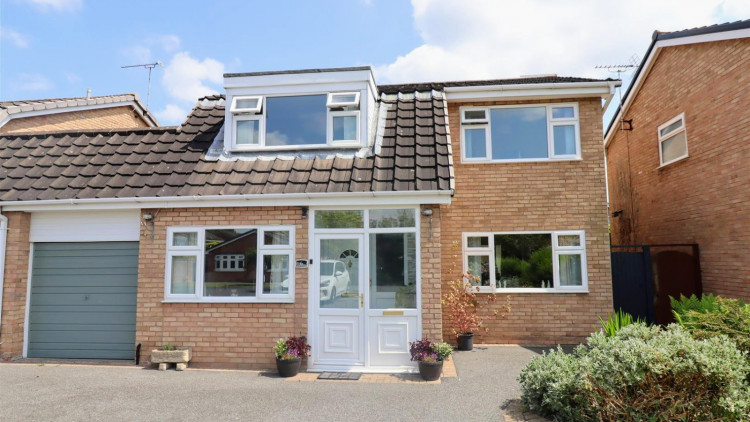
<point x="311" y="202"/>
<point x="678" y="153"/>
<point x="81" y="113"/>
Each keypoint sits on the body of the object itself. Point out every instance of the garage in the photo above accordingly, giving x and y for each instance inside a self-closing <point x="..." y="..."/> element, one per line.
<point x="83" y="300"/>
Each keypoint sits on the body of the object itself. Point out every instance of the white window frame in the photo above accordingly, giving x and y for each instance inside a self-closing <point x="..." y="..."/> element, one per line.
<point x="253" y="110"/>
<point x="261" y="130"/>
<point x="556" y="252"/>
<point x="670" y="135"/>
<point x="331" y="115"/>
<point x="227" y="258"/>
<point x="331" y="103"/>
<point x="200" y="254"/>
<point x="551" y="123"/>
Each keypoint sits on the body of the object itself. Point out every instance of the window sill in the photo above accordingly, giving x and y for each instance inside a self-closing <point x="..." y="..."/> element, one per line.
<point x="231" y="300"/>
<point x="673" y="162"/>
<point x="531" y="160"/>
<point x="531" y="290"/>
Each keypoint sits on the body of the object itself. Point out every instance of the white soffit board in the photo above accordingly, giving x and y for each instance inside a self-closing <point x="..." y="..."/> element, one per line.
<point x="85" y="226"/>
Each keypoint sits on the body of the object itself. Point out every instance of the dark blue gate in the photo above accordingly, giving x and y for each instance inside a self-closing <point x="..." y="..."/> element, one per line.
<point x="632" y="281"/>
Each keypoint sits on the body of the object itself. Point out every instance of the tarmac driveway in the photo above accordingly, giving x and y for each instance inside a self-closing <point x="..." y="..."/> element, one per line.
<point x="486" y="379"/>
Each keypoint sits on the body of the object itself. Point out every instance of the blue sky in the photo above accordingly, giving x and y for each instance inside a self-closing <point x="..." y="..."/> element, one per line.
<point x="59" y="48"/>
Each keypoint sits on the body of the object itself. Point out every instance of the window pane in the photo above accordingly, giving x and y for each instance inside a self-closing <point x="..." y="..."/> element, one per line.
<point x="523" y="260"/>
<point x="570" y="270"/>
<point x="339" y="287"/>
<point x="343" y="98"/>
<point x="565" y="139"/>
<point x="476" y="143"/>
<point x="247" y="103"/>
<point x="248" y="132"/>
<point x="231" y="260"/>
<point x="345" y="128"/>
<point x="339" y="219"/>
<point x="478" y="241"/>
<point x="183" y="275"/>
<point x="393" y="271"/>
<point x="391" y="218"/>
<point x="563" y="112"/>
<point x="674" y="126"/>
<point x="276" y="237"/>
<point x="299" y="120"/>
<point x="479" y="265"/>
<point x="569" y="240"/>
<point x="674" y="147"/>
<point x="275" y="274"/>
<point x="185" y="239"/>
<point x="475" y="114"/>
<point x="519" y="133"/>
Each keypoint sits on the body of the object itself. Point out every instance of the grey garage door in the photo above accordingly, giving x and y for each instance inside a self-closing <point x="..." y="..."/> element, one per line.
<point x="83" y="300"/>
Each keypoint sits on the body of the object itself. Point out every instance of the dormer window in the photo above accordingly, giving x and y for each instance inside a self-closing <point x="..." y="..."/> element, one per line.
<point x="296" y="121"/>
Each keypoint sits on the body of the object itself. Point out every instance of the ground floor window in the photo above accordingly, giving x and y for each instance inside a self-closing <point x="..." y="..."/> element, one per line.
<point x="527" y="261"/>
<point x="230" y="264"/>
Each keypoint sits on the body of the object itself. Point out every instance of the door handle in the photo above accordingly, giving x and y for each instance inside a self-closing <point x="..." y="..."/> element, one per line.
<point x="362" y="300"/>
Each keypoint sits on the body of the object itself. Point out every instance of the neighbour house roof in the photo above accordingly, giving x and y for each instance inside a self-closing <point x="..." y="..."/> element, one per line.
<point x="412" y="153"/>
<point x="22" y="108"/>
<point x="440" y="86"/>
<point x="660" y="39"/>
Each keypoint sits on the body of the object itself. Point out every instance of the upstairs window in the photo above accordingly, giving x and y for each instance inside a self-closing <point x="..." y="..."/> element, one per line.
<point x="672" y="141"/>
<point x="295" y="121"/>
<point x="520" y="133"/>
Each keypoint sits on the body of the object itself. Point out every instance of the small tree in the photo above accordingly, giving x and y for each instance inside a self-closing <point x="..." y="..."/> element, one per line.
<point x="461" y="303"/>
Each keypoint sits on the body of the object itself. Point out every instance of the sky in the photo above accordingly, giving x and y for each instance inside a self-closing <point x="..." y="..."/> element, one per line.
<point x="61" y="48"/>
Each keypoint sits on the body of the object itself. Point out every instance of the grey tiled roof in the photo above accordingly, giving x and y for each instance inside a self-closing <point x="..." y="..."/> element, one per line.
<point x="412" y="155"/>
<point x="710" y="29"/>
<point x="10" y="108"/>
<point x="439" y="86"/>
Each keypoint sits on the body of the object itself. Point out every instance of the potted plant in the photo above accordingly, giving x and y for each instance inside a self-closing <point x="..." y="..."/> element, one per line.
<point x="430" y="357"/>
<point x="168" y="354"/>
<point x="289" y="355"/>
<point x="461" y="303"/>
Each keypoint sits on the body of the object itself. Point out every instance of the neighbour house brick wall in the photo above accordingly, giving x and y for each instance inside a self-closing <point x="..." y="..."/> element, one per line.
<point x="704" y="198"/>
<point x="230" y="335"/>
<point x="569" y="195"/>
<point x="100" y="118"/>
<point x="15" y="285"/>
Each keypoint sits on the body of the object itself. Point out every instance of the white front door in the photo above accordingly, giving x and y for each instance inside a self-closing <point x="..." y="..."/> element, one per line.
<point x="338" y="293"/>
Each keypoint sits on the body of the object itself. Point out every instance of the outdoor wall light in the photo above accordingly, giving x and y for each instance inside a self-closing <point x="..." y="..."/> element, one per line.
<point x="427" y="212"/>
<point x="304" y="212"/>
<point x="148" y="216"/>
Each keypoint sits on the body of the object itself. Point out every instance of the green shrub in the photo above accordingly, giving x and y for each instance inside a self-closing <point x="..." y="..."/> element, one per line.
<point x="642" y="373"/>
<point x="711" y="316"/>
<point x="541" y="264"/>
<point x="616" y="321"/>
<point x="513" y="267"/>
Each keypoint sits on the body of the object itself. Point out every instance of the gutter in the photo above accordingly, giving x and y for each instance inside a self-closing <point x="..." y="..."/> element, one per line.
<point x="518" y="87"/>
<point x="253" y="200"/>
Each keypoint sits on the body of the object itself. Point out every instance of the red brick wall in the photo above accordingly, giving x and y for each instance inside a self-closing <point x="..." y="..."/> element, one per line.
<point x="566" y="195"/>
<point x="432" y="323"/>
<point x="15" y="285"/>
<point x="100" y="118"/>
<point x="702" y="199"/>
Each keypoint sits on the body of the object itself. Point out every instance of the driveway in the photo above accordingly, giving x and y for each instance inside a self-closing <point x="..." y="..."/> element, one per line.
<point x="486" y="379"/>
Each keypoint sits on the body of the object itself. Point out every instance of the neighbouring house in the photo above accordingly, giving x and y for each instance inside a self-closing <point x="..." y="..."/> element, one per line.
<point x="81" y="113"/>
<point x="678" y="152"/>
<point x="310" y="202"/>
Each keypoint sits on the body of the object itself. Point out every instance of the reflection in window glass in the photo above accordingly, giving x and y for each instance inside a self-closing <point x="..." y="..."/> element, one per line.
<point x="570" y="270"/>
<point x="248" y="132"/>
<point x="275" y="274"/>
<point x="475" y="143"/>
<point x="477" y="241"/>
<point x="185" y="239"/>
<point x="339" y="273"/>
<point x="183" y="275"/>
<point x="674" y="147"/>
<point x="563" y="112"/>
<point x="230" y="242"/>
<point x="276" y="237"/>
<point x="565" y="139"/>
<point x="479" y="265"/>
<point x="524" y="260"/>
<point x="568" y="240"/>
<point x="344" y="128"/>
<point x="475" y="115"/>
<point x="519" y="133"/>
<point x="296" y="120"/>
<point x="671" y="128"/>
<point x="393" y="269"/>
<point x="339" y="219"/>
<point x="391" y="218"/>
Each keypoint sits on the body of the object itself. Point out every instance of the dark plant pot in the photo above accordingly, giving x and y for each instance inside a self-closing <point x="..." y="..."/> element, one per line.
<point x="288" y="367"/>
<point x="430" y="371"/>
<point x="466" y="341"/>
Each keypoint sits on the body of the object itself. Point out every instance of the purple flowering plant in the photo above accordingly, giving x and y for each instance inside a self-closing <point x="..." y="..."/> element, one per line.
<point x="426" y="351"/>
<point x="292" y="348"/>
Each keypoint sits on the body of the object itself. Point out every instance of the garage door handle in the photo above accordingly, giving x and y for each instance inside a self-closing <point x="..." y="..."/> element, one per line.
<point x="85" y="298"/>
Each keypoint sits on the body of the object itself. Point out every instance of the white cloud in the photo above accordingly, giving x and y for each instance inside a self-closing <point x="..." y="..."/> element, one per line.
<point x="170" y="43"/>
<point x="16" y="38"/>
<point x="492" y="39"/>
<point x="34" y="82"/>
<point x="57" y="5"/>
<point x="185" y="78"/>
<point x="137" y="54"/>
<point x="172" y="114"/>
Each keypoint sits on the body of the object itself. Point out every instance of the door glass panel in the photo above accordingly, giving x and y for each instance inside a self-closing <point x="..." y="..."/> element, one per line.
<point x="339" y="273"/>
<point x="393" y="271"/>
<point x="339" y="219"/>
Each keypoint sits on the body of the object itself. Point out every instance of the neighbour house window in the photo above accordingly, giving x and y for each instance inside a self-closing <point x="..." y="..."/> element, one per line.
<point x="296" y="121"/>
<point x="229" y="264"/>
<point x="520" y="133"/>
<point x="527" y="262"/>
<point x="672" y="140"/>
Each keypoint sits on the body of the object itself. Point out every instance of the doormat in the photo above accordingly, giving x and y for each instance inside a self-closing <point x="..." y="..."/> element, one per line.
<point x="340" y="376"/>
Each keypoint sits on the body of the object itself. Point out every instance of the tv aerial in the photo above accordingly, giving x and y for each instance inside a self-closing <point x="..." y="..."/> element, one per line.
<point x="150" y="67"/>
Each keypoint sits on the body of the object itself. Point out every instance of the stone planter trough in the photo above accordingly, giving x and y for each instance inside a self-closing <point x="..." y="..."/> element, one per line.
<point x="179" y="357"/>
